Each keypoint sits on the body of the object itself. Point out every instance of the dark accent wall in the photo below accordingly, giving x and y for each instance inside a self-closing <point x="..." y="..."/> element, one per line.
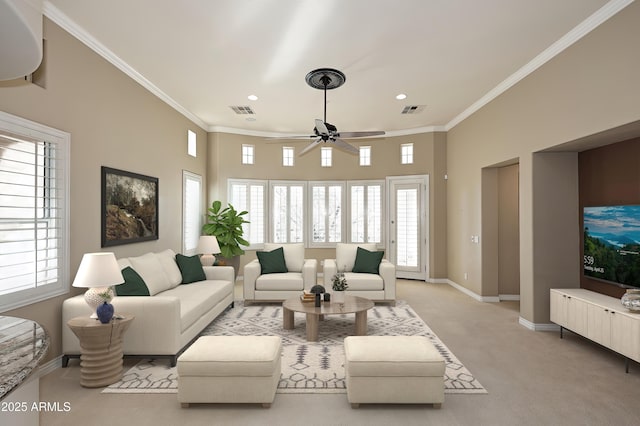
<point x="609" y="175"/>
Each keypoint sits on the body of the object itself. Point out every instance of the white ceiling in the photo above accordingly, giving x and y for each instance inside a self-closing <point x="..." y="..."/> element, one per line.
<point x="203" y="56"/>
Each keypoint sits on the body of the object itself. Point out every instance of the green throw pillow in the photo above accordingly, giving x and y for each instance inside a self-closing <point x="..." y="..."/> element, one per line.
<point x="133" y="285"/>
<point x="190" y="268"/>
<point x="272" y="262"/>
<point x="367" y="262"/>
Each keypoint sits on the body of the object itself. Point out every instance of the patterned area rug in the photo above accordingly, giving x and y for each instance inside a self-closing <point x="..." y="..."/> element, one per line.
<point x="307" y="367"/>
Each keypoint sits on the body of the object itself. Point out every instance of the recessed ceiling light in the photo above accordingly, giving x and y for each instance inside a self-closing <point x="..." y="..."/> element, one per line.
<point x="250" y="119"/>
<point x="252" y="97"/>
<point x="401" y="96"/>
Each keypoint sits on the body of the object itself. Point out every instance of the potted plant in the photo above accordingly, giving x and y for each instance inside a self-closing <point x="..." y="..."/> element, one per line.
<point x="339" y="285"/>
<point x="226" y="225"/>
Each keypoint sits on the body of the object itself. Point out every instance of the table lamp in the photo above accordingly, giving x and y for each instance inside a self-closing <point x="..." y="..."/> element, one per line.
<point x="207" y="247"/>
<point x="98" y="272"/>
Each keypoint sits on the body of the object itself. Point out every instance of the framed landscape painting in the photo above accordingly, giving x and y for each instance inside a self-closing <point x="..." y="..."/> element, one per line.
<point x="129" y="207"/>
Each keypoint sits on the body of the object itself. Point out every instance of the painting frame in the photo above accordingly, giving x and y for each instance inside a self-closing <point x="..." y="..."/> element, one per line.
<point x="129" y="207"/>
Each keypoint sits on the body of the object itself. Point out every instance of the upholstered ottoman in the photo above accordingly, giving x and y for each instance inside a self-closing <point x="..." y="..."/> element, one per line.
<point x="230" y="369"/>
<point x="393" y="370"/>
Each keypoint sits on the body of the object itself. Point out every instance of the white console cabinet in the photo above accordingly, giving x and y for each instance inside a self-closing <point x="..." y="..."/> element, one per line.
<point x="597" y="317"/>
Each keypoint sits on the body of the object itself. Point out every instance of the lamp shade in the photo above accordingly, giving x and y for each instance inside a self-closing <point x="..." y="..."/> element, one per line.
<point x="208" y="244"/>
<point x="98" y="270"/>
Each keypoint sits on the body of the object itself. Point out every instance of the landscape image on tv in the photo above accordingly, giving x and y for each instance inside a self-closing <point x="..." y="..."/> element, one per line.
<point x="612" y="244"/>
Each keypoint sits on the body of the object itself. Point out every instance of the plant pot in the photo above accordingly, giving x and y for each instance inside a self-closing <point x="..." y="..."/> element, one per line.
<point x="105" y="312"/>
<point x="234" y="261"/>
<point x="338" y="297"/>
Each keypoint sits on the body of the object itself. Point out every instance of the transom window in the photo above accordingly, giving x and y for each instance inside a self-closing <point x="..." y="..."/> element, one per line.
<point x="365" y="155"/>
<point x="248" y="154"/>
<point x="406" y="153"/>
<point x="287" y="156"/>
<point x="325" y="156"/>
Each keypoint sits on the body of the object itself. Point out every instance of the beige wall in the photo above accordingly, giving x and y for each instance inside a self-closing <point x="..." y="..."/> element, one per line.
<point x="508" y="231"/>
<point x="430" y="158"/>
<point x="113" y="122"/>
<point x="589" y="88"/>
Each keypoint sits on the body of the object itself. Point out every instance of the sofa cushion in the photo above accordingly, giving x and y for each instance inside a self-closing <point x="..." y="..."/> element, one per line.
<point x="190" y="268"/>
<point x="133" y="284"/>
<point x="198" y="298"/>
<point x="168" y="260"/>
<point x="346" y="255"/>
<point x="150" y="269"/>
<point x="280" y="282"/>
<point x="272" y="262"/>
<point x="367" y="262"/>
<point x="293" y="254"/>
<point x="364" y="282"/>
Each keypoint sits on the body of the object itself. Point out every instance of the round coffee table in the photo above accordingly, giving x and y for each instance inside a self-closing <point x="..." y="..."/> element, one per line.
<point x="351" y="305"/>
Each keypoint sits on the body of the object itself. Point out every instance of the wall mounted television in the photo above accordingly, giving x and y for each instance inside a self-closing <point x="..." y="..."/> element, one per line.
<point x="612" y="244"/>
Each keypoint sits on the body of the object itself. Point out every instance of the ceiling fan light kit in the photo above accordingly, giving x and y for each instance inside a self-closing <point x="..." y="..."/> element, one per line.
<point x="327" y="79"/>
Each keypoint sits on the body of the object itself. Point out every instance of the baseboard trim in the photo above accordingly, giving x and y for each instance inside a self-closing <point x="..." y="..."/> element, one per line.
<point x="538" y="327"/>
<point x="487" y="299"/>
<point x="509" y="297"/>
<point x="50" y="366"/>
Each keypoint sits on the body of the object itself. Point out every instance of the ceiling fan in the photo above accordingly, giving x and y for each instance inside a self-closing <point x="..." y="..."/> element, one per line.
<point x="323" y="132"/>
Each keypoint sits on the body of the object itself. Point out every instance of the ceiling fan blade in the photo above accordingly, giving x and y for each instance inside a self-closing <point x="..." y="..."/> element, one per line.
<point x="310" y="147"/>
<point x="293" y="137"/>
<point x="339" y="143"/>
<point x="359" y="134"/>
<point x="321" y="127"/>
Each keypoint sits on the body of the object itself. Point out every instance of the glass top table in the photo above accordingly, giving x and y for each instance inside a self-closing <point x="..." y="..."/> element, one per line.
<point x="352" y="305"/>
<point x="23" y="344"/>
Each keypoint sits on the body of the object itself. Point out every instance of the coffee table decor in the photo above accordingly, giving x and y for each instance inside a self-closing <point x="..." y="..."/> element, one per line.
<point x="307" y="367"/>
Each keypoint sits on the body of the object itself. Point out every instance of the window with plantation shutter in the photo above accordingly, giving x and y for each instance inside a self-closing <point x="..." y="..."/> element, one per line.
<point x="326" y="209"/>
<point x="287" y="207"/>
<point x="192" y="211"/>
<point x="34" y="231"/>
<point x="250" y="195"/>
<point x="365" y="211"/>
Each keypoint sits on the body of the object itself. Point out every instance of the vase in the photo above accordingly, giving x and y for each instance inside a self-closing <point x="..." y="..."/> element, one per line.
<point x="105" y="312"/>
<point x="631" y="300"/>
<point x="338" y="297"/>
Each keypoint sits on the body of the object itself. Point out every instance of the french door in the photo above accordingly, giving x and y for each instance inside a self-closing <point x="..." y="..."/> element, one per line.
<point x="408" y="225"/>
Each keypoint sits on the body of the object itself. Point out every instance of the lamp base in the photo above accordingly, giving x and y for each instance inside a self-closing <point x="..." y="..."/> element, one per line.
<point x="95" y="297"/>
<point x="207" y="259"/>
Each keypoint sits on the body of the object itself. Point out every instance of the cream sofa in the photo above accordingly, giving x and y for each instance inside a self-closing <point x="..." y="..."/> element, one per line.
<point x="302" y="275"/>
<point x="377" y="287"/>
<point x="167" y="320"/>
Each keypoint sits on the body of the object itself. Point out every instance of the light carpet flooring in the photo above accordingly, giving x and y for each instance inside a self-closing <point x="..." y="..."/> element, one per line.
<point x="532" y="378"/>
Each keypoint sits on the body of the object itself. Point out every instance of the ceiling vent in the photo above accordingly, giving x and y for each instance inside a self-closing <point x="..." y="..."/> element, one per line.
<point x="413" y="109"/>
<point x="244" y="110"/>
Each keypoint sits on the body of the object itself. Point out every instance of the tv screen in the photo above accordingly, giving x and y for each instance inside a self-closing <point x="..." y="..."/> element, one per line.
<point x="612" y="244"/>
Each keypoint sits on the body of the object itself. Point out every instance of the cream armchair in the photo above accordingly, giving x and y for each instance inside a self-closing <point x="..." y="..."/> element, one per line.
<point x="301" y="275"/>
<point x="379" y="287"/>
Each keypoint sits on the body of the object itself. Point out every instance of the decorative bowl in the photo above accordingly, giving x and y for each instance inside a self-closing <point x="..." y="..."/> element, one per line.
<point x="631" y="300"/>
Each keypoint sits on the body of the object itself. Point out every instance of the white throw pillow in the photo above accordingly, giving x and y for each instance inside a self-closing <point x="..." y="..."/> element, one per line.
<point x="148" y="266"/>
<point x="346" y="254"/>
<point x="168" y="260"/>
<point x="293" y="254"/>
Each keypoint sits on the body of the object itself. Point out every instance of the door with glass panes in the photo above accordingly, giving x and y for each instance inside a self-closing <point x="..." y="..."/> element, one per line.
<point x="408" y="225"/>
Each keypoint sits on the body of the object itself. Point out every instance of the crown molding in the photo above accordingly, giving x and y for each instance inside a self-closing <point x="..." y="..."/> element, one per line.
<point x="66" y="23"/>
<point x="265" y="134"/>
<point x="582" y="29"/>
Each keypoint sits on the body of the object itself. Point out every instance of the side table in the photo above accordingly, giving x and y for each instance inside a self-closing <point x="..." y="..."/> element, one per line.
<point x="101" y="349"/>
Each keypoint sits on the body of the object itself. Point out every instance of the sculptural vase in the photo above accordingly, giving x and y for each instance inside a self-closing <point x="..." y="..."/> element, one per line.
<point x="105" y="312"/>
